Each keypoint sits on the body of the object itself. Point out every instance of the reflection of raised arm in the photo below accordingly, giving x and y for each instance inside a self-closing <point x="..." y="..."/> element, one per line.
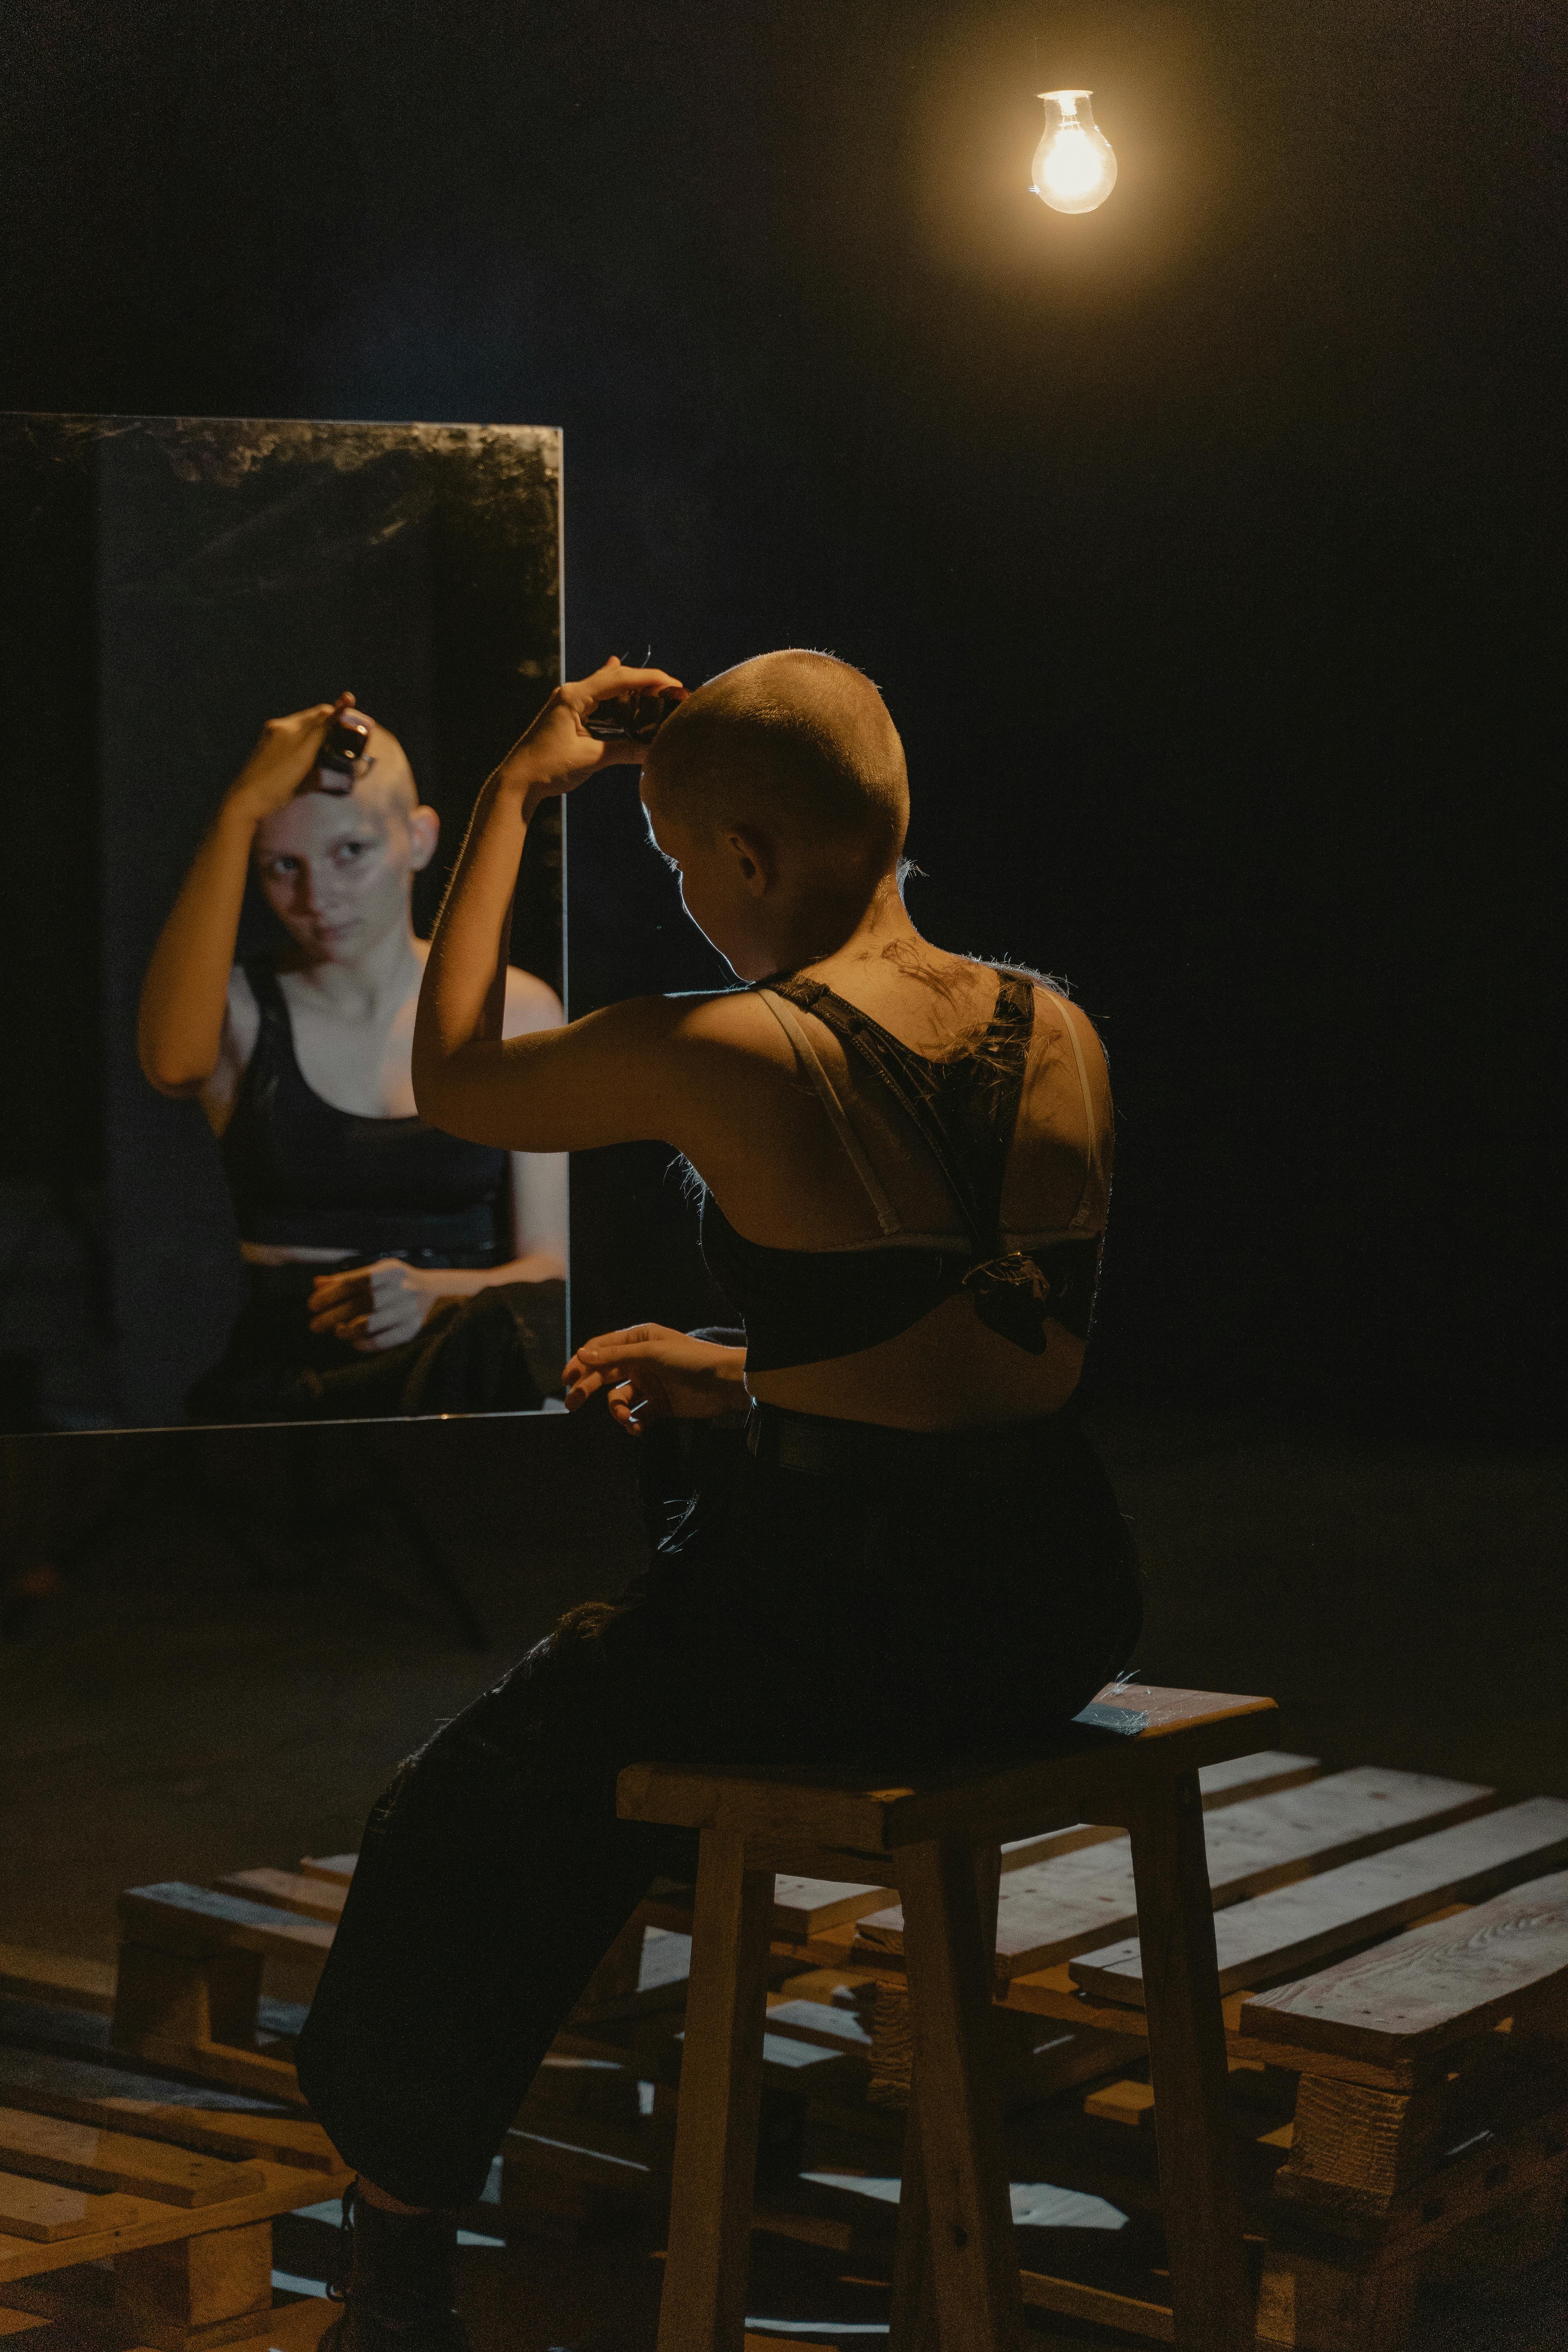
<point x="538" y="1178"/>
<point x="181" y="1028"/>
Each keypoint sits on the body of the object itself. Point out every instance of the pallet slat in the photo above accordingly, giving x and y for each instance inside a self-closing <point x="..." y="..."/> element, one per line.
<point x="1219" y="1784"/>
<point x="84" y="2156"/>
<point x="1293" y="1926"/>
<point x="1416" y="1996"/>
<point x="283" y="2188"/>
<point x="40" y="2211"/>
<point x="185" y="2121"/>
<point x="26" y="1974"/>
<point x="201" y="1920"/>
<point x="338" y="1868"/>
<point x="1054" y="1910"/>
<point x="289" y="1890"/>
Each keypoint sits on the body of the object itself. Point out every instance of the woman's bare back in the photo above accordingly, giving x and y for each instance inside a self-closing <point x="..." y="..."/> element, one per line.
<point x="783" y="1178"/>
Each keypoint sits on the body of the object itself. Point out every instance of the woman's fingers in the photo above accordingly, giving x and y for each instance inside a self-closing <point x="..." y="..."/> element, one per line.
<point x="613" y="678"/>
<point x="594" y="1355"/>
<point x="334" y="1318"/>
<point x="336" y="1299"/>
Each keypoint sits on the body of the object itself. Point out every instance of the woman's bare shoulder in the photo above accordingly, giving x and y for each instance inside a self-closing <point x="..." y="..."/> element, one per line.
<point x="1059" y="1018"/>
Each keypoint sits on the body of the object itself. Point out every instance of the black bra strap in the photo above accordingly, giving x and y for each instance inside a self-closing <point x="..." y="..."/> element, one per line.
<point x="913" y="1081"/>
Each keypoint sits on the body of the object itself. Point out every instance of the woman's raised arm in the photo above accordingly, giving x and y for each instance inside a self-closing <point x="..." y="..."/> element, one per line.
<point x="179" y="1023"/>
<point x="552" y="1089"/>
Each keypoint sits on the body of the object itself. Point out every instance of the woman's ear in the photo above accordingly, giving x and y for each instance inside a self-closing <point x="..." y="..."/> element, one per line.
<point x="754" y="861"/>
<point x="423" y="833"/>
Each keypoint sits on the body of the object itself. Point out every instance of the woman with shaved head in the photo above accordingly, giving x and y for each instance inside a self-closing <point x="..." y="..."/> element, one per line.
<point x="912" y="1559"/>
<point x="373" y="1242"/>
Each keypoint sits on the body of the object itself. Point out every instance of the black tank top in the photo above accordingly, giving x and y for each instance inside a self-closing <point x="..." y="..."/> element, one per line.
<point x="806" y="1306"/>
<point x="305" y="1175"/>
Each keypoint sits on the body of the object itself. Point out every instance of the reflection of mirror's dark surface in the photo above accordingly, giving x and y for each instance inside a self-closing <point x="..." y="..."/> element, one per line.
<point x="172" y="585"/>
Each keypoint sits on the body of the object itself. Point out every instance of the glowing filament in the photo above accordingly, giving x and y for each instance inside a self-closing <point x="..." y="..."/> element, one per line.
<point x="1075" y="169"/>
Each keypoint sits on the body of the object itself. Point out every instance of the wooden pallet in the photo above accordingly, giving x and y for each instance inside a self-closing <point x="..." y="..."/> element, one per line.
<point x="1378" y="2143"/>
<point x="177" y="2192"/>
<point x="1371" y="2154"/>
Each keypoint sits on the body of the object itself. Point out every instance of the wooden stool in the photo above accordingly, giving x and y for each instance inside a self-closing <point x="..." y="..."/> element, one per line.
<point x="956" y="2280"/>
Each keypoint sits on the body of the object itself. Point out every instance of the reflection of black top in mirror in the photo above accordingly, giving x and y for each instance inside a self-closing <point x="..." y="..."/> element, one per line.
<point x="305" y="1175"/>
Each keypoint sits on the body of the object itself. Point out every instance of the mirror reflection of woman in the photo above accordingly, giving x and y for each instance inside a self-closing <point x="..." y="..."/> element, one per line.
<point x="912" y="1560"/>
<point x="366" y="1232"/>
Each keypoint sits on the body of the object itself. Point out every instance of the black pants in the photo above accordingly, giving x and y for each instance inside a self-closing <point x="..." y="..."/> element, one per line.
<point x="888" y="1604"/>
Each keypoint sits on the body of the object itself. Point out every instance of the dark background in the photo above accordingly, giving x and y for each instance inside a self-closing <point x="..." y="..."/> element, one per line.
<point x="1201" y="544"/>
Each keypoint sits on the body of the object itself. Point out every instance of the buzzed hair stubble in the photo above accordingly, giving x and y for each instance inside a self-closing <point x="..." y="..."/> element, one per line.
<point x="796" y="742"/>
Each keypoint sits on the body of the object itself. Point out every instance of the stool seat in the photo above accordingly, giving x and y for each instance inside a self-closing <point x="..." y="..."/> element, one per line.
<point x="1135" y="1731"/>
<point x="1131" y="1760"/>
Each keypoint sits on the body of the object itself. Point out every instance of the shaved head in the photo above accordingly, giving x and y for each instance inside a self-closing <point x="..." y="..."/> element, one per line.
<point x="795" y="743"/>
<point x="389" y="788"/>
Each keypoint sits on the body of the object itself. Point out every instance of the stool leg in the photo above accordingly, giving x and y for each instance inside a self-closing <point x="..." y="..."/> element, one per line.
<point x="1198" y="2192"/>
<point x="912" y="2322"/>
<point x="703" y="2307"/>
<point x="973" y="2252"/>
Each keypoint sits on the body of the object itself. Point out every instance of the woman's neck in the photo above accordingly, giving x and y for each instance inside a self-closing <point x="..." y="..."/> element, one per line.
<point x="882" y="930"/>
<point x="375" y="983"/>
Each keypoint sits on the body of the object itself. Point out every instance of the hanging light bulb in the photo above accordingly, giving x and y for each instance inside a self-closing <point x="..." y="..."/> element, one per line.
<point x="1075" y="169"/>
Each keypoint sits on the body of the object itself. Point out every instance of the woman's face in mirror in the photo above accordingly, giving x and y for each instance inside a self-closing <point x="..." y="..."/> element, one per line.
<point x="336" y="869"/>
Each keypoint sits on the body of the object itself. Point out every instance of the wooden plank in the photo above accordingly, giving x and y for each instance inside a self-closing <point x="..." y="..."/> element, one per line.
<point x="82" y="2156"/>
<point x="41" y="2210"/>
<point x="1126" y="2102"/>
<point x="184" y="2123"/>
<point x="50" y="2083"/>
<point x="284" y="2188"/>
<point x="1072" y="2300"/>
<point x="1255" y="1776"/>
<point x="48" y="1977"/>
<point x="1416" y="1996"/>
<point x="818" y="2021"/>
<point x="1222" y="1784"/>
<point x="336" y="1868"/>
<point x="802" y="1907"/>
<point x="289" y="1890"/>
<point x="1293" y="1926"/>
<point x="1054" y="1910"/>
<point x="1050" y="1993"/>
<point x="178" y="1918"/>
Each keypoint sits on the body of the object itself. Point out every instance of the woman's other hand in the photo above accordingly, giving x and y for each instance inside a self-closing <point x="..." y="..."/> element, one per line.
<point x="285" y="753"/>
<point x="650" y="1372"/>
<point x="376" y="1306"/>
<point x="558" y="753"/>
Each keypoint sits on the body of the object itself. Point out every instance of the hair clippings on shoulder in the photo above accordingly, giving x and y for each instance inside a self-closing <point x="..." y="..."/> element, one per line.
<point x="632" y="717"/>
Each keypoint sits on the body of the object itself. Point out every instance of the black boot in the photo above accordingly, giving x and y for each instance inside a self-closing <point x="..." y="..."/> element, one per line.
<point x="399" y="2290"/>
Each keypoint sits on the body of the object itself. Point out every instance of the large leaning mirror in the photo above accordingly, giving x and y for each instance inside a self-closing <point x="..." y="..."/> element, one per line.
<point x="228" y="1211"/>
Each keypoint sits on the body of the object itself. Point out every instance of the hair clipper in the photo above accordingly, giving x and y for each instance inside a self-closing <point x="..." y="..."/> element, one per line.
<point x="343" y="748"/>
<point x="632" y="717"/>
